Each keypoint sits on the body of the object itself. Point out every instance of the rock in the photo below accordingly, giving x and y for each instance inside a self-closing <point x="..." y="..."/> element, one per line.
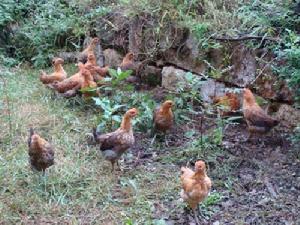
<point x="172" y="78"/>
<point x="187" y="56"/>
<point x="135" y="39"/>
<point x="172" y="36"/>
<point x="185" y="61"/>
<point x="288" y="116"/>
<point x="112" y="58"/>
<point x="270" y="86"/>
<point x="216" y="57"/>
<point x="113" y="30"/>
<point x="151" y="75"/>
<point x="210" y="89"/>
<point x="132" y="79"/>
<point x="68" y="57"/>
<point x="244" y="67"/>
<point x="246" y="71"/>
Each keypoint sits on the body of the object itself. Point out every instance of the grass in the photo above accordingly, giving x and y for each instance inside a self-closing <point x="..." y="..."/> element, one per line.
<point x="79" y="188"/>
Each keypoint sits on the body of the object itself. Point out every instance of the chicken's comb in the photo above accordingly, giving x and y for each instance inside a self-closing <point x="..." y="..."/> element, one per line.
<point x="133" y="110"/>
<point x="200" y="164"/>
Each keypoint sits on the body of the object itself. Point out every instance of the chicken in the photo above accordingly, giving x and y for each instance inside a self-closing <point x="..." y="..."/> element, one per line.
<point x="89" y="49"/>
<point x="258" y="121"/>
<point x="41" y="153"/>
<point x="163" y="117"/>
<point x="91" y="60"/>
<point x="128" y="62"/>
<point x="88" y="82"/>
<point x="72" y="83"/>
<point x="163" y="120"/>
<point x="59" y="73"/>
<point x="97" y="72"/>
<point x="195" y="185"/>
<point x="230" y="103"/>
<point x="114" y="144"/>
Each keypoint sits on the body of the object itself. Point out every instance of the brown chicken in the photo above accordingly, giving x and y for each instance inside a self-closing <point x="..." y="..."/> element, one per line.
<point x="163" y="117"/>
<point x="128" y="62"/>
<point x="97" y="72"/>
<point x="59" y="73"/>
<point x="88" y="82"/>
<point x="229" y="101"/>
<point x="74" y="82"/>
<point x="41" y="153"/>
<point x="195" y="185"/>
<point x="89" y="49"/>
<point x="258" y="121"/>
<point x="114" y="144"/>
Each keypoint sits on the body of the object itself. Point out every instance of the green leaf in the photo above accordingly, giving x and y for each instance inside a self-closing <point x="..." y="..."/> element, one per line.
<point x="88" y="89"/>
<point x="96" y="100"/>
<point x="189" y="133"/>
<point x="117" y="118"/>
<point x="113" y="73"/>
<point x="116" y="107"/>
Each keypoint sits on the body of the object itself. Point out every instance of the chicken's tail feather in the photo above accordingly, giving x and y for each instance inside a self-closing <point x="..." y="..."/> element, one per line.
<point x="31" y="133"/>
<point x="95" y="134"/>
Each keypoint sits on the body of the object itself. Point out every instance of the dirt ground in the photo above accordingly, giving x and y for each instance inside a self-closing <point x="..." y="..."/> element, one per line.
<point x="264" y="175"/>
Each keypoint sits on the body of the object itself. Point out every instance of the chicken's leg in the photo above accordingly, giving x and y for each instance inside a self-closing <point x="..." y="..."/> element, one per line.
<point x="153" y="139"/>
<point x="118" y="164"/>
<point x="249" y="137"/>
<point x="112" y="166"/>
<point x="195" y="216"/>
<point x="166" y="140"/>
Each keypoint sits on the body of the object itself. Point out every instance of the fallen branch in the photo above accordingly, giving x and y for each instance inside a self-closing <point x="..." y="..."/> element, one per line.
<point x="247" y="37"/>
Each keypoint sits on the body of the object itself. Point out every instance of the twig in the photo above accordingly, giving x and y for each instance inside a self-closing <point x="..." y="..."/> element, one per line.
<point x="247" y="37"/>
<point x="261" y="72"/>
<point x="110" y="23"/>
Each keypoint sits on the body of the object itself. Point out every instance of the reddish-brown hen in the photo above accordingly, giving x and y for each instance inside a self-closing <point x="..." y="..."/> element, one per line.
<point x="97" y="72"/>
<point x="89" y="49"/>
<point x="59" y="73"/>
<point x="128" y="62"/>
<point x="114" y="144"/>
<point x="41" y="153"/>
<point x="163" y="117"/>
<point x="74" y="82"/>
<point x="229" y="101"/>
<point x="195" y="185"/>
<point x="258" y="121"/>
<point x="88" y="82"/>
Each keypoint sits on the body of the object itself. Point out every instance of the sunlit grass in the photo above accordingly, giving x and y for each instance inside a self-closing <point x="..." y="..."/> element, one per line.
<point x="80" y="186"/>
